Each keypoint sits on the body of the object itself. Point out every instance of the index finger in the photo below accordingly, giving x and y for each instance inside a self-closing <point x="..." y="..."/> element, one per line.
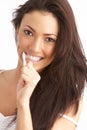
<point x="23" y="58"/>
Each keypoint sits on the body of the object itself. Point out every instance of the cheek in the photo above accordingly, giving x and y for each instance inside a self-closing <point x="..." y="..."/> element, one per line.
<point x="50" y="52"/>
<point x="21" y="42"/>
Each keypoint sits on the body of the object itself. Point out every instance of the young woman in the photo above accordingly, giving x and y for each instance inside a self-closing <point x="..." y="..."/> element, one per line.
<point x="46" y="89"/>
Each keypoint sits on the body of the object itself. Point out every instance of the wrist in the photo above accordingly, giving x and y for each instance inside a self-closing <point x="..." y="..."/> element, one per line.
<point x="23" y="105"/>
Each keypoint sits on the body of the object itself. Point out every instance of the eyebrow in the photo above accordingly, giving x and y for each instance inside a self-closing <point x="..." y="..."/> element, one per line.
<point x="30" y="28"/>
<point x="44" y="34"/>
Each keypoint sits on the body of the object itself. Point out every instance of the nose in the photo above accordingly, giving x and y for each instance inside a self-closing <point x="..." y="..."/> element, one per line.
<point x="36" y="45"/>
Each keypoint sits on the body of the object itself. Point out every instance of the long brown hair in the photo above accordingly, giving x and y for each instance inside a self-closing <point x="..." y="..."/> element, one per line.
<point x="63" y="81"/>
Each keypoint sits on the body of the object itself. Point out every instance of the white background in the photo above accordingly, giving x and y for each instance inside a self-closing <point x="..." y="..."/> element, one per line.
<point x="8" y="53"/>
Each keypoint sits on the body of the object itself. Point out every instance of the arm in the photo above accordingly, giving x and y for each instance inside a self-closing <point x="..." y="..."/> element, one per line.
<point x="28" y="81"/>
<point x="63" y="124"/>
<point x="24" y="120"/>
<point x="68" y="121"/>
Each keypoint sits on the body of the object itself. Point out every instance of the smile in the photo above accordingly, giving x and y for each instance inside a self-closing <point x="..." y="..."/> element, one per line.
<point x="32" y="58"/>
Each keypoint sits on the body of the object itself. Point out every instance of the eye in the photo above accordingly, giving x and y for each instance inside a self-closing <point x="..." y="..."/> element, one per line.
<point x="50" y="40"/>
<point x="28" y="32"/>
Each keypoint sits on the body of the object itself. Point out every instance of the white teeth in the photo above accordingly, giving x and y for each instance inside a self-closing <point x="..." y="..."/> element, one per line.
<point x="33" y="58"/>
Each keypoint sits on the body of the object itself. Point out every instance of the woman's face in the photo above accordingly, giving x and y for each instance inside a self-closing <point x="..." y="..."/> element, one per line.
<point x="37" y="37"/>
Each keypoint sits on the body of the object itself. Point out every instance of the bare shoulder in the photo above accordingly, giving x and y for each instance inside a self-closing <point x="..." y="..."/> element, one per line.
<point x="4" y="77"/>
<point x="1" y="77"/>
<point x="7" y="93"/>
<point x="67" y="122"/>
<point x="2" y="74"/>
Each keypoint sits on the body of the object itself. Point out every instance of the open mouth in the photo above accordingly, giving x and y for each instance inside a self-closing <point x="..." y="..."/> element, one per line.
<point x="32" y="58"/>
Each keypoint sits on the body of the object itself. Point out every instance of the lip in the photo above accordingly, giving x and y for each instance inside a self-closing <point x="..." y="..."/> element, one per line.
<point x="33" y="58"/>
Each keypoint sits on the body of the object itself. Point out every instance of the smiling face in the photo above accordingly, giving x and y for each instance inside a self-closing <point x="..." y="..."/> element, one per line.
<point x="37" y="37"/>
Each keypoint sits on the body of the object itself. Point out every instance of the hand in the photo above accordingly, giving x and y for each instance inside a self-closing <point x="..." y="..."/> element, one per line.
<point x="27" y="83"/>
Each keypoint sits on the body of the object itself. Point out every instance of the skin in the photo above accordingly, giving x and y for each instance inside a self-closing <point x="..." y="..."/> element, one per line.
<point x="36" y="38"/>
<point x="39" y="42"/>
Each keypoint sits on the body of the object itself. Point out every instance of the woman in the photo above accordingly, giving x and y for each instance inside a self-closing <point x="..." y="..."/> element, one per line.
<point x="45" y="92"/>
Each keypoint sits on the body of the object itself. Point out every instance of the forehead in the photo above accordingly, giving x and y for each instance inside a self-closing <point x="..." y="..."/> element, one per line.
<point x="41" y="20"/>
